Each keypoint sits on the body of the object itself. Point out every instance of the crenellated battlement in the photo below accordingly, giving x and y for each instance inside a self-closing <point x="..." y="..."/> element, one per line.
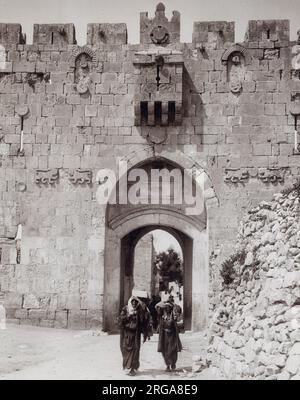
<point x="276" y="30"/>
<point x="106" y="34"/>
<point x="11" y="34"/>
<point x="54" y="34"/>
<point x="215" y="32"/>
<point x="158" y="30"/>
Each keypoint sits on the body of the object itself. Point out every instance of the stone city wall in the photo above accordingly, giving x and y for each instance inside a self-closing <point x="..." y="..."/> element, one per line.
<point x="67" y="111"/>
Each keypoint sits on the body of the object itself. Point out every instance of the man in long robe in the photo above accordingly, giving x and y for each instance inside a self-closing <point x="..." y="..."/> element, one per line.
<point x="134" y="321"/>
<point x="169" y="343"/>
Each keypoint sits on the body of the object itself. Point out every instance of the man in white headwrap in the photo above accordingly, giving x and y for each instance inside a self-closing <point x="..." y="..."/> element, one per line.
<point x="134" y="321"/>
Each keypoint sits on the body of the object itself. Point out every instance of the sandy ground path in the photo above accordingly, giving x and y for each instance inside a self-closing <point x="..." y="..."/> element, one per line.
<point x="39" y="353"/>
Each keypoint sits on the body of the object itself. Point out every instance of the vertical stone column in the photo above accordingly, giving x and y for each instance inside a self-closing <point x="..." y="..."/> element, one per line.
<point x="143" y="264"/>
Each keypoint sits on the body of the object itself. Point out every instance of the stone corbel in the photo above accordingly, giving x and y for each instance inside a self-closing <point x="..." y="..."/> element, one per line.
<point x="153" y="56"/>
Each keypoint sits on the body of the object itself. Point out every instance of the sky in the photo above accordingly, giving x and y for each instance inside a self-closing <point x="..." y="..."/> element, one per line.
<point x="162" y="241"/>
<point x="82" y="12"/>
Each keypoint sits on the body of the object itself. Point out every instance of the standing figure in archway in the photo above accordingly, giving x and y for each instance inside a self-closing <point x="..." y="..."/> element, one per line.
<point x="153" y="311"/>
<point x="169" y="343"/>
<point x="134" y="321"/>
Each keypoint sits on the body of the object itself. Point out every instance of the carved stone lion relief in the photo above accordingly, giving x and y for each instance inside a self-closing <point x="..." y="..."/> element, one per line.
<point x="83" y="61"/>
<point x="236" y="59"/>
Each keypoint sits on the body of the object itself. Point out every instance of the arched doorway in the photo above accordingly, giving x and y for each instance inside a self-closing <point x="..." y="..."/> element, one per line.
<point x="158" y="269"/>
<point x="128" y="246"/>
<point x="125" y="224"/>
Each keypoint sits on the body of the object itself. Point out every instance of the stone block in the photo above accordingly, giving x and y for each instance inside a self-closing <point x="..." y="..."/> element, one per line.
<point x="45" y="323"/>
<point x="77" y="319"/>
<point x="213" y="34"/>
<point x="73" y="301"/>
<point x="13" y="321"/>
<point x="37" y="314"/>
<point x="293" y="364"/>
<point x="21" y="314"/>
<point x="60" y="35"/>
<point x="93" y="319"/>
<point x="13" y="300"/>
<point x="61" y="319"/>
<point x="159" y="30"/>
<point x="11" y="35"/>
<point x="106" y="34"/>
<point x="268" y="30"/>
<point x="275" y="109"/>
<point x="63" y="110"/>
<point x="266" y="86"/>
<point x="31" y="301"/>
<point x="91" y="110"/>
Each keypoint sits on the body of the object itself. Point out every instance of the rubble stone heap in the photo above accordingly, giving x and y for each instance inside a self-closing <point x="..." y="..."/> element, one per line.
<point x="255" y="333"/>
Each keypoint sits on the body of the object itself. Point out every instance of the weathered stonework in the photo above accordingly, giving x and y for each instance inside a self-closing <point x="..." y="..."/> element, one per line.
<point x="81" y="176"/>
<point x="47" y="176"/>
<point x="54" y="34"/>
<point x="255" y="327"/>
<point x="84" y="114"/>
<point x="143" y="265"/>
<point x="159" y="30"/>
<point x="158" y="97"/>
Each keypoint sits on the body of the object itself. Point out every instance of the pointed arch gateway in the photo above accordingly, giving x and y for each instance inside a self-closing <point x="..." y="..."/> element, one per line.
<point x="127" y="223"/>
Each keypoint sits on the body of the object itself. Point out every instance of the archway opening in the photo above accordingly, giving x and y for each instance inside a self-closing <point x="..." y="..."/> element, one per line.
<point x="139" y="272"/>
<point x="127" y="223"/>
<point x="158" y="268"/>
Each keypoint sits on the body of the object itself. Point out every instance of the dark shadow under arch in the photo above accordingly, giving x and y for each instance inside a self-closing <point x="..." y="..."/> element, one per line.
<point x="128" y="244"/>
<point x="125" y="224"/>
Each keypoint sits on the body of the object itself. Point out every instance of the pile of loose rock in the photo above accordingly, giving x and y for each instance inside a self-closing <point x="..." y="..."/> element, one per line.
<point x="255" y="331"/>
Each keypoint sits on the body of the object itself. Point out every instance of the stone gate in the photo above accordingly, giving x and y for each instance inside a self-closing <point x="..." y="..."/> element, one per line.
<point x="227" y="111"/>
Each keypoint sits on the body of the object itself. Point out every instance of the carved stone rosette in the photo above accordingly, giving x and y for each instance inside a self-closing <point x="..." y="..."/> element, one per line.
<point x="22" y="110"/>
<point x="157" y="136"/>
<point x="159" y="35"/>
<point x="160" y="30"/>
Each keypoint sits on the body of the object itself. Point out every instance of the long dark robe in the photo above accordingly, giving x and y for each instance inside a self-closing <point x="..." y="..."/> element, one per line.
<point x="169" y="343"/>
<point x="153" y="311"/>
<point x="131" y="329"/>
